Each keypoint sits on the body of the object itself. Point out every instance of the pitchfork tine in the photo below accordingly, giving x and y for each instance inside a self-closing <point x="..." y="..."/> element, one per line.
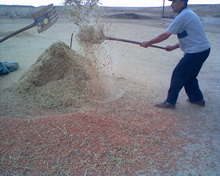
<point x="52" y="17"/>
<point x="42" y="11"/>
<point x="52" y="13"/>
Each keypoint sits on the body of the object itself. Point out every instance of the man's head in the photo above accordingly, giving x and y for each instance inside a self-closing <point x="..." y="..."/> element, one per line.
<point x="178" y="5"/>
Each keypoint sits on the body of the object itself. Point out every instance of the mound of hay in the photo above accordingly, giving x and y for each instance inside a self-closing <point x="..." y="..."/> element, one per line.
<point x="58" y="78"/>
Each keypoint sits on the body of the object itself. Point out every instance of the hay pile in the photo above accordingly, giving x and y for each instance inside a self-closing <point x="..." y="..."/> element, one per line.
<point x="58" y="78"/>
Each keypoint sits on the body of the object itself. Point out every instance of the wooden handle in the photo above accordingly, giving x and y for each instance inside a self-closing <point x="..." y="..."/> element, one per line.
<point x="130" y="41"/>
<point x="17" y="32"/>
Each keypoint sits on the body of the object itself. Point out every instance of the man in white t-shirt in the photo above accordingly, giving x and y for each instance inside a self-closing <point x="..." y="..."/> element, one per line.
<point x="196" y="47"/>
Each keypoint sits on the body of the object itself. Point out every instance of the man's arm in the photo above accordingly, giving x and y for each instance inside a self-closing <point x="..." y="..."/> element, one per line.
<point x="157" y="39"/>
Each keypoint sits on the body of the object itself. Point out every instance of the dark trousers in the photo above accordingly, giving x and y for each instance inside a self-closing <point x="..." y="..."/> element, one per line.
<point x="184" y="75"/>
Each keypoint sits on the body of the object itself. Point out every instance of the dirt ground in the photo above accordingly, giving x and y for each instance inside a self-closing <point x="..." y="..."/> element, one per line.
<point x="137" y="78"/>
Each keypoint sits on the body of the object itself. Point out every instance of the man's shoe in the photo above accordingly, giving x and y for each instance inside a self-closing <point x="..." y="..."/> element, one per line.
<point x="165" y="105"/>
<point x="200" y="103"/>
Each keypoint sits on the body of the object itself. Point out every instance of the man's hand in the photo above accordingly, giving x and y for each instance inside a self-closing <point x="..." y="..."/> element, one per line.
<point x="145" y="44"/>
<point x="171" y="48"/>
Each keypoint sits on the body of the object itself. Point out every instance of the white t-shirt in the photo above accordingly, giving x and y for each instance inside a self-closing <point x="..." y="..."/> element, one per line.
<point x="190" y="32"/>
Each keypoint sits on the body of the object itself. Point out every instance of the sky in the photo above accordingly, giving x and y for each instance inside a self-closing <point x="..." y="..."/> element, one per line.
<point x="121" y="3"/>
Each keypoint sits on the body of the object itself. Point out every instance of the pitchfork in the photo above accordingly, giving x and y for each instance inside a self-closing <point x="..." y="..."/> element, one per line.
<point x="43" y="19"/>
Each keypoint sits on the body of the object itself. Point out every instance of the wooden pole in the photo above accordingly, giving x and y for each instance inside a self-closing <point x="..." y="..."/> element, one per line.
<point x="71" y="40"/>
<point x="163" y="9"/>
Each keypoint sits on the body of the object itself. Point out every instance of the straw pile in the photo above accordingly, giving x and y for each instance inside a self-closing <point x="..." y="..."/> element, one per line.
<point x="58" y="78"/>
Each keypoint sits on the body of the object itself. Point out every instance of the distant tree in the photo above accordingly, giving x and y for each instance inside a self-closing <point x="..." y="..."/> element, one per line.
<point x="83" y="12"/>
<point x="79" y="3"/>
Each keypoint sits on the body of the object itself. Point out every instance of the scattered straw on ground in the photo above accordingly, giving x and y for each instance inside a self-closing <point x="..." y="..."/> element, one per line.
<point x="88" y="144"/>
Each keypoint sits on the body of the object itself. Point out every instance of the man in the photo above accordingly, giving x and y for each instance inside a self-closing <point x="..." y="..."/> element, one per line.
<point x="196" y="47"/>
